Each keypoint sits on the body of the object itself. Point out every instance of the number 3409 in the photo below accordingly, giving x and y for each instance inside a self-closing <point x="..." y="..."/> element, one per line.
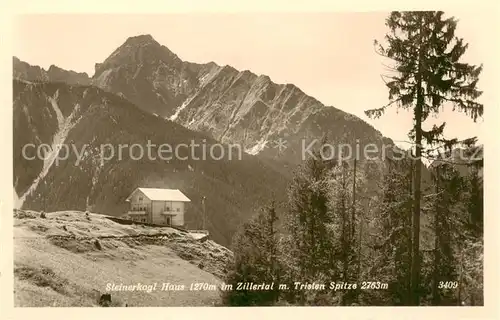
<point x="448" y="285"/>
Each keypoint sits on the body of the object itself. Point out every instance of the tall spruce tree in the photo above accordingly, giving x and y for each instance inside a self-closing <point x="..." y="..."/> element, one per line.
<point x="427" y="75"/>
<point x="471" y="264"/>
<point x="448" y="211"/>
<point x="255" y="260"/>
<point x="344" y="184"/>
<point x="474" y="197"/>
<point x="309" y="223"/>
<point x="394" y="224"/>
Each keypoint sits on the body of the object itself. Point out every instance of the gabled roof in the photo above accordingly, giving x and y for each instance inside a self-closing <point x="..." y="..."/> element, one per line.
<point x="156" y="194"/>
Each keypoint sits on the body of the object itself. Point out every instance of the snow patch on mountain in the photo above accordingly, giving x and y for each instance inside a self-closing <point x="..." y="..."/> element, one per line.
<point x="209" y="76"/>
<point x="203" y="81"/>
<point x="256" y="149"/>
<point x="182" y="107"/>
<point x="103" y="79"/>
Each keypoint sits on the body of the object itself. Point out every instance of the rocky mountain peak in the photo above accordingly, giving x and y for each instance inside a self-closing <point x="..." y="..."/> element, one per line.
<point x="141" y="39"/>
<point x="69" y="76"/>
<point x="24" y="71"/>
<point x="53" y="68"/>
<point x="138" y="50"/>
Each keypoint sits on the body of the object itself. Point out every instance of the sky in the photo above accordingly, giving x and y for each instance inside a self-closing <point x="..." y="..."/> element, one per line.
<point x="330" y="56"/>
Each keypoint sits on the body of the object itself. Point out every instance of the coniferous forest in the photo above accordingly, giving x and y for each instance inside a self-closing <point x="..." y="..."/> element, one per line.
<point x="406" y="230"/>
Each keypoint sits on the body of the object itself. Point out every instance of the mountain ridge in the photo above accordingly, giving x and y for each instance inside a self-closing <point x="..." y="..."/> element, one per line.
<point x="24" y="71"/>
<point x="227" y="104"/>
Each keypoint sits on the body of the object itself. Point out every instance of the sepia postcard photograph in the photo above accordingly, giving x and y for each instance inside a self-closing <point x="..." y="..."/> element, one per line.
<point x="251" y="159"/>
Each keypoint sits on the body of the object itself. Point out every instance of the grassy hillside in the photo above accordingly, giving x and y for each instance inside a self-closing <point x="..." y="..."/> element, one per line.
<point x="57" y="262"/>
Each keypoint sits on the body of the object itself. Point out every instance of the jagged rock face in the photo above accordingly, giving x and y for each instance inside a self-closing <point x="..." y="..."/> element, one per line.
<point x="148" y="74"/>
<point x="228" y="105"/>
<point x="57" y="74"/>
<point x="86" y="118"/>
<point x="251" y="110"/>
<point x="24" y="71"/>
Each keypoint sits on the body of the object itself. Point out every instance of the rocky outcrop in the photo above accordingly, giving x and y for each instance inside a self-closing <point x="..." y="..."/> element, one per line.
<point x="27" y="72"/>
